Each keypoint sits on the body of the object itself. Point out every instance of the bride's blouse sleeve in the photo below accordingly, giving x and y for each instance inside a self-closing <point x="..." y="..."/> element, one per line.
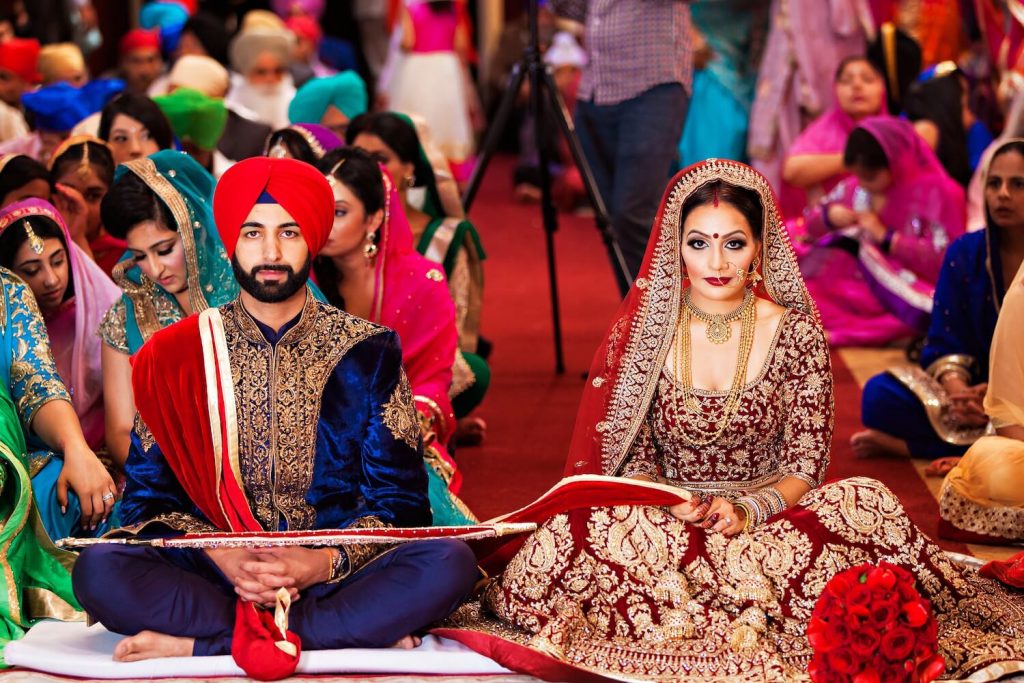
<point x="642" y="459"/>
<point x="810" y="407"/>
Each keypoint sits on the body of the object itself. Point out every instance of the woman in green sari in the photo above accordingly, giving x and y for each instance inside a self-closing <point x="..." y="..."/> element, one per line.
<point x="176" y="265"/>
<point x="450" y="241"/>
<point x="36" y="577"/>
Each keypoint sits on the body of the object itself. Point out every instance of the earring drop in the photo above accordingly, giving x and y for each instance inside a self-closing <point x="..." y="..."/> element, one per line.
<point x="370" y="249"/>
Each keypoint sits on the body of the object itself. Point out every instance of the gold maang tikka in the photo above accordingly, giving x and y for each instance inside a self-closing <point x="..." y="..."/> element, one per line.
<point x="83" y="165"/>
<point x="34" y="243"/>
<point x="331" y="180"/>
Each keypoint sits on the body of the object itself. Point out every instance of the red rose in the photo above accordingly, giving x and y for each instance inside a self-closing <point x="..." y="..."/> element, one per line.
<point x="882" y="577"/>
<point x="837" y="632"/>
<point x="930" y="669"/>
<point x="860" y="594"/>
<point x="857" y="616"/>
<point x="897" y="644"/>
<point x="841" y="661"/>
<point x="818" y="635"/>
<point x="867" y="676"/>
<point x="892" y="674"/>
<point x="884" y="613"/>
<point x="916" y="613"/>
<point x="864" y="642"/>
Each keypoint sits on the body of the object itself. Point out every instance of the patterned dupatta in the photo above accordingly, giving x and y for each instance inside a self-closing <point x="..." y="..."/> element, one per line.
<point x="404" y="300"/>
<point x="187" y="190"/>
<point x="94" y="293"/>
<point x="624" y="374"/>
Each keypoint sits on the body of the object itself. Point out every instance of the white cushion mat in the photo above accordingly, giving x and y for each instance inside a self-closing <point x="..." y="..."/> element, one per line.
<point x="72" y="649"/>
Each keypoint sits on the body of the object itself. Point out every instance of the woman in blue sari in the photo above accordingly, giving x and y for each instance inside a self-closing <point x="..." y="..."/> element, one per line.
<point x="176" y="265"/>
<point x="75" y="494"/>
<point x="935" y="410"/>
<point x="36" y="581"/>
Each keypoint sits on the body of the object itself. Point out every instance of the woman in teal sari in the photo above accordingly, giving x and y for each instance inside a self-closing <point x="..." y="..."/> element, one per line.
<point x="452" y="242"/>
<point x="176" y="265"/>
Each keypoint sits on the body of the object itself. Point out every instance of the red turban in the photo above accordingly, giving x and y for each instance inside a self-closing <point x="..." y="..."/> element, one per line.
<point x="21" y="56"/>
<point x="140" y="39"/>
<point x="304" y="26"/>
<point x="295" y="185"/>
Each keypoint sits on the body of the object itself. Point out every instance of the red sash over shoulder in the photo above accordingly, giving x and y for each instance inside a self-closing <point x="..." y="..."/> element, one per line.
<point x="184" y="394"/>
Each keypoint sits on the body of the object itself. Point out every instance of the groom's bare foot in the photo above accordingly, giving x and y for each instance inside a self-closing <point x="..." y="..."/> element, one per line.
<point x="407" y="643"/>
<point x="872" y="443"/>
<point x="151" y="645"/>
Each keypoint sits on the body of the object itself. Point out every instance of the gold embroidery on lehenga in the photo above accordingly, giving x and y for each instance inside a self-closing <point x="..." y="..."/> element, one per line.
<point x="278" y="390"/>
<point x="861" y="511"/>
<point x="400" y="414"/>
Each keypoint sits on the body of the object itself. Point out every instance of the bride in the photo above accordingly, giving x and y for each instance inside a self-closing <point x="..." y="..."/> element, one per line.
<point x="715" y="378"/>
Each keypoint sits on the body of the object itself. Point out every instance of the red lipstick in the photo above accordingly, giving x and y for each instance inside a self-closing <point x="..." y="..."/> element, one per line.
<point x="718" y="281"/>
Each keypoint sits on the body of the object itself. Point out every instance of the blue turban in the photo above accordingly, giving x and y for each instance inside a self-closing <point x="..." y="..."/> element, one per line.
<point x="346" y="91"/>
<point x="170" y="18"/>
<point x="61" y="106"/>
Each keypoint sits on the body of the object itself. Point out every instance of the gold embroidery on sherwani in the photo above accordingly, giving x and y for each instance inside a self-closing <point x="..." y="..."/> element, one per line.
<point x="278" y="391"/>
<point x="146" y="439"/>
<point x="399" y="414"/>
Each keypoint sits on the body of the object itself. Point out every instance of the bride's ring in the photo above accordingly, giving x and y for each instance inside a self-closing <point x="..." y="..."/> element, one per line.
<point x="107" y="496"/>
<point x="728" y="521"/>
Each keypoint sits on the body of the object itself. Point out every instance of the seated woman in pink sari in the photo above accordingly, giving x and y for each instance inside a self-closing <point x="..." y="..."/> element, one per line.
<point x="880" y="235"/>
<point x="73" y="294"/>
<point x="370" y="269"/>
<point x="814" y="163"/>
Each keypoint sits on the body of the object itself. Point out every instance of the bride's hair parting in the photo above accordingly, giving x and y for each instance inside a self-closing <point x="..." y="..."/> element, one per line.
<point x="744" y="200"/>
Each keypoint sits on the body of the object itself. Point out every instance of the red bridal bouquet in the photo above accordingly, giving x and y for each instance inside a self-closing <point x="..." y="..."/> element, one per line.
<point x="870" y="625"/>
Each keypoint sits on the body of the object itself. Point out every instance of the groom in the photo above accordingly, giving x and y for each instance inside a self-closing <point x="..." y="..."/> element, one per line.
<point x="274" y="412"/>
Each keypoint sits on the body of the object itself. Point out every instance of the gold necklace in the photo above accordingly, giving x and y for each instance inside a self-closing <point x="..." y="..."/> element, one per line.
<point x="718" y="328"/>
<point x="684" y="353"/>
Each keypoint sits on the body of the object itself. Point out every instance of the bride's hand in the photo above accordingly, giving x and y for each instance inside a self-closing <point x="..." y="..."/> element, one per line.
<point x="691" y="511"/>
<point x="724" y="517"/>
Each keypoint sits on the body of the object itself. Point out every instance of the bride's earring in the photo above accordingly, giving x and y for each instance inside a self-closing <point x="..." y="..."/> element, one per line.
<point x="753" y="276"/>
<point x="370" y="249"/>
<point x="410" y="180"/>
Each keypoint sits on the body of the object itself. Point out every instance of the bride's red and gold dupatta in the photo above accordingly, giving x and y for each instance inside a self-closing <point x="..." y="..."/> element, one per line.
<point x="608" y="589"/>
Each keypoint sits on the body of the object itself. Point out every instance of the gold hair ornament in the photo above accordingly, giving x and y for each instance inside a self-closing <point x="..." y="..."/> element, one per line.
<point x="34" y="242"/>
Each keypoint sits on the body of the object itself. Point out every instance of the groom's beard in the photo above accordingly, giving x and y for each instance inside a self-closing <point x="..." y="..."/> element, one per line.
<point x="271" y="292"/>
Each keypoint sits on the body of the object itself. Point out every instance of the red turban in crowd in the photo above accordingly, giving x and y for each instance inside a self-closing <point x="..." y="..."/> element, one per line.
<point x="21" y="56"/>
<point x="140" y="39"/>
<point x="298" y="187"/>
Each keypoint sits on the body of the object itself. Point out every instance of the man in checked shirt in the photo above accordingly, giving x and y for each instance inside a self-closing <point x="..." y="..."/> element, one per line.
<point x="632" y="104"/>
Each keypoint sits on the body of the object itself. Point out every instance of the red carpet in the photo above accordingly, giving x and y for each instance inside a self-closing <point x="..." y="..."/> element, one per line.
<point x="530" y="410"/>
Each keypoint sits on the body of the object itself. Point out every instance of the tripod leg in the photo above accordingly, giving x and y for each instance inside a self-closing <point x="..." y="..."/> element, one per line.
<point x="508" y="101"/>
<point x="568" y="129"/>
<point x="550" y="216"/>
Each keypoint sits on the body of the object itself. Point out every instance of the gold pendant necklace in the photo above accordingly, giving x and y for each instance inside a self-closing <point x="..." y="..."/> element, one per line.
<point x="683" y="354"/>
<point x="718" y="327"/>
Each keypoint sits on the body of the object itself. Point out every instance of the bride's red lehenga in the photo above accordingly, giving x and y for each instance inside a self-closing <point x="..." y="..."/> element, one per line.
<point x="631" y="592"/>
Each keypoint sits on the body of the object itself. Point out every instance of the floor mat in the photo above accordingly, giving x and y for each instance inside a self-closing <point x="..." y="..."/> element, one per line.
<point x="72" y="649"/>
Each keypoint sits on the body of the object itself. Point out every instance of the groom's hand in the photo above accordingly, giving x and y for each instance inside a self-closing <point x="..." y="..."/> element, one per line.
<point x="248" y="585"/>
<point x="293" y="567"/>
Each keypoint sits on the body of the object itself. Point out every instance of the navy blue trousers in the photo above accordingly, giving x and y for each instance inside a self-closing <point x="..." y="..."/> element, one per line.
<point x="181" y="592"/>
<point x="631" y="147"/>
<point x="889" y="406"/>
